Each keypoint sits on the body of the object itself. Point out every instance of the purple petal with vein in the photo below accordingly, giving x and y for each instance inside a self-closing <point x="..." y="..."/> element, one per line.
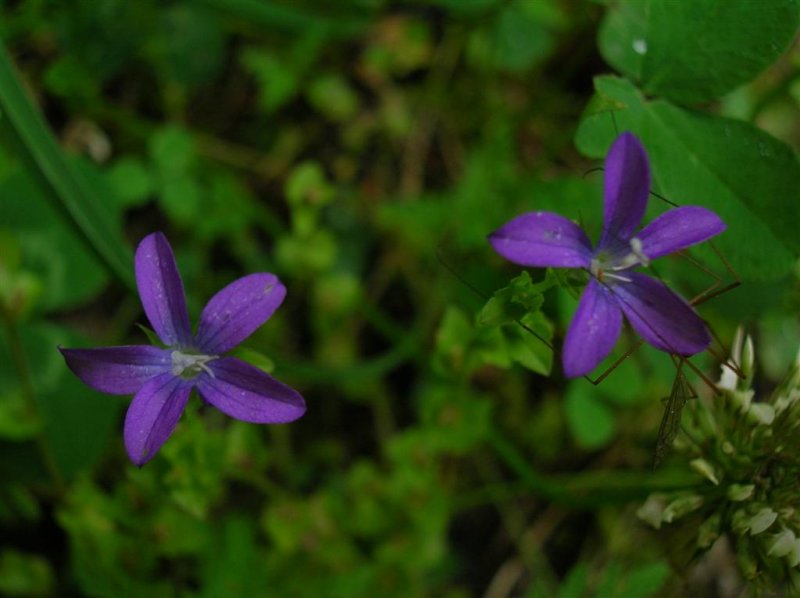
<point x="161" y="290"/>
<point x="543" y="239"/>
<point x="236" y="311"/>
<point x="117" y="370"/>
<point x="678" y="229"/>
<point x="661" y="317"/>
<point x="626" y="187"/>
<point x="153" y="415"/>
<point x="244" y="392"/>
<point x="593" y="332"/>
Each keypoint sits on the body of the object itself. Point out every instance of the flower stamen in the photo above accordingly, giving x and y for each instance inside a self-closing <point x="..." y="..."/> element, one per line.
<point x="181" y="362"/>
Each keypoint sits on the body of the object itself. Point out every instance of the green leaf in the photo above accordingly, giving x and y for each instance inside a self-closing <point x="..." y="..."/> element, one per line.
<point x="152" y="337"/>
<point x="277" y="81"/>
<point x="511" y="303"/>
<point x="525" y="348"/>
<point x="738" y="171"/>
<point x="334" y="97"/>
<point x="307" y="184"/>
<point x="589" y="420"/>
<point x="696" y="51"/>
<point x="131" y="182"/>
<point x="81" y="204"/>
<point x="173" y="151"/>
<point x="516" y="38"/>
<point x="181" y="197"/>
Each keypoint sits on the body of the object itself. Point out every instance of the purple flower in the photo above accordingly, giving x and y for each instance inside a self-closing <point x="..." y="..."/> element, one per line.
<point x="544" y="239"/>
<point x="162" y="379"/>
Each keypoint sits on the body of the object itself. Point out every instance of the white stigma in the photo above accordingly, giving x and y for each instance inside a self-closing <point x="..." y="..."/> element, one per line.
<point x="636" y="249"/>
<point x="181" y="362"/>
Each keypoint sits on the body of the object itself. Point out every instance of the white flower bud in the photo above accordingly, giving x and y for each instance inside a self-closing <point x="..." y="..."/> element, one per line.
<point x="782" y="544"/>
<point x="681" y="506"/>
<point x="761" y="521"/>
<point x="705" y="469"/>
<point x="762" y="414"/>
<point x="794" y="554"/>
<point x="739" y="492"/>
<point x="652" y="511"/>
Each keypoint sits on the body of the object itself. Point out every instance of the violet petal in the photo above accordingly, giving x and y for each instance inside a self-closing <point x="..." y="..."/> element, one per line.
<point x="626" y="187"/>
<point x="679" y="228"/>
<point x="542" y="239"/>
<point x="236" y="311"/>
<point x="245" y="392"/>
<point x="153" y="415"/>
<point x="593" y="332"/>
<point x="660" y="316"/>
<point x="161" y="290"/>
<point x="117" y="370"/>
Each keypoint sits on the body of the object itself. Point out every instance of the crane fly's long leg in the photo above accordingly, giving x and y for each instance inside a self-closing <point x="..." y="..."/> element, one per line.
<point x="485" y="296"/>
<point x="630" y="351"/>
<point x="707" y="294"/>
<point x="712" y="291"/>
<point x="634" y="348"/>
<point x="708" y="382"/>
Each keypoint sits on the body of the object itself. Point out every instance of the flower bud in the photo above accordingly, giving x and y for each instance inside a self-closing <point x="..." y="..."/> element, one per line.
<point x="782" y="543"/>
<point x="740" y="399"/>
<point x="705" y="469"/>
<point x="740" y="492"/>
<point x="728" y="380"/>
<point x="762" y="414"/>
<point x="748" y="360"/>
<point x="652" y="511"/>
<point x="794" y="554"/>
<point x="681" y="506"/>
<point x="740" y="521"/>
<point x="761" y="521"/>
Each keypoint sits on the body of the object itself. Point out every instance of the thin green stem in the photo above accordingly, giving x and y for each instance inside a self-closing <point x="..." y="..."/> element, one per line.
<point x="17" y="352"/>
<point x="589" y="488"/>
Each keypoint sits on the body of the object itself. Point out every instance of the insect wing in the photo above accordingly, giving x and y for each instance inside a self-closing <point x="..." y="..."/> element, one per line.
<point x="671" y="420"/>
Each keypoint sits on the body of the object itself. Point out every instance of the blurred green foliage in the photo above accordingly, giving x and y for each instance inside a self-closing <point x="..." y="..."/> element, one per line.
<point x="362" y="150"/>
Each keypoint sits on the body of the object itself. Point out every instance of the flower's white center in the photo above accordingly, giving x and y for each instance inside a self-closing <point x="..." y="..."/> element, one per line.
<point x="606" y="267"/>
<point x="189" y="365"/>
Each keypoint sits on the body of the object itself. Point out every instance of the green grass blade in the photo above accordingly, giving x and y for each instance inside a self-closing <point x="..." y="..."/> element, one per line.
<point x="82" y="206"/>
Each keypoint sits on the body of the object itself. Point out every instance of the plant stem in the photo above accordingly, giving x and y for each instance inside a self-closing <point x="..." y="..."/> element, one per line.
<point x="589" y="488"/>
<point x="17" y="352"/>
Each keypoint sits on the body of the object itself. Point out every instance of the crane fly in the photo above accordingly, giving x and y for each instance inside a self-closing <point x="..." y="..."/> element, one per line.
<point x="673" y="409"/>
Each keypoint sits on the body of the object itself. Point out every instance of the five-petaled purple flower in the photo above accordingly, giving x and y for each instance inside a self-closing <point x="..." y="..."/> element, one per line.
<point x="544" y="239"/>
<point x="162" y="379"/>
